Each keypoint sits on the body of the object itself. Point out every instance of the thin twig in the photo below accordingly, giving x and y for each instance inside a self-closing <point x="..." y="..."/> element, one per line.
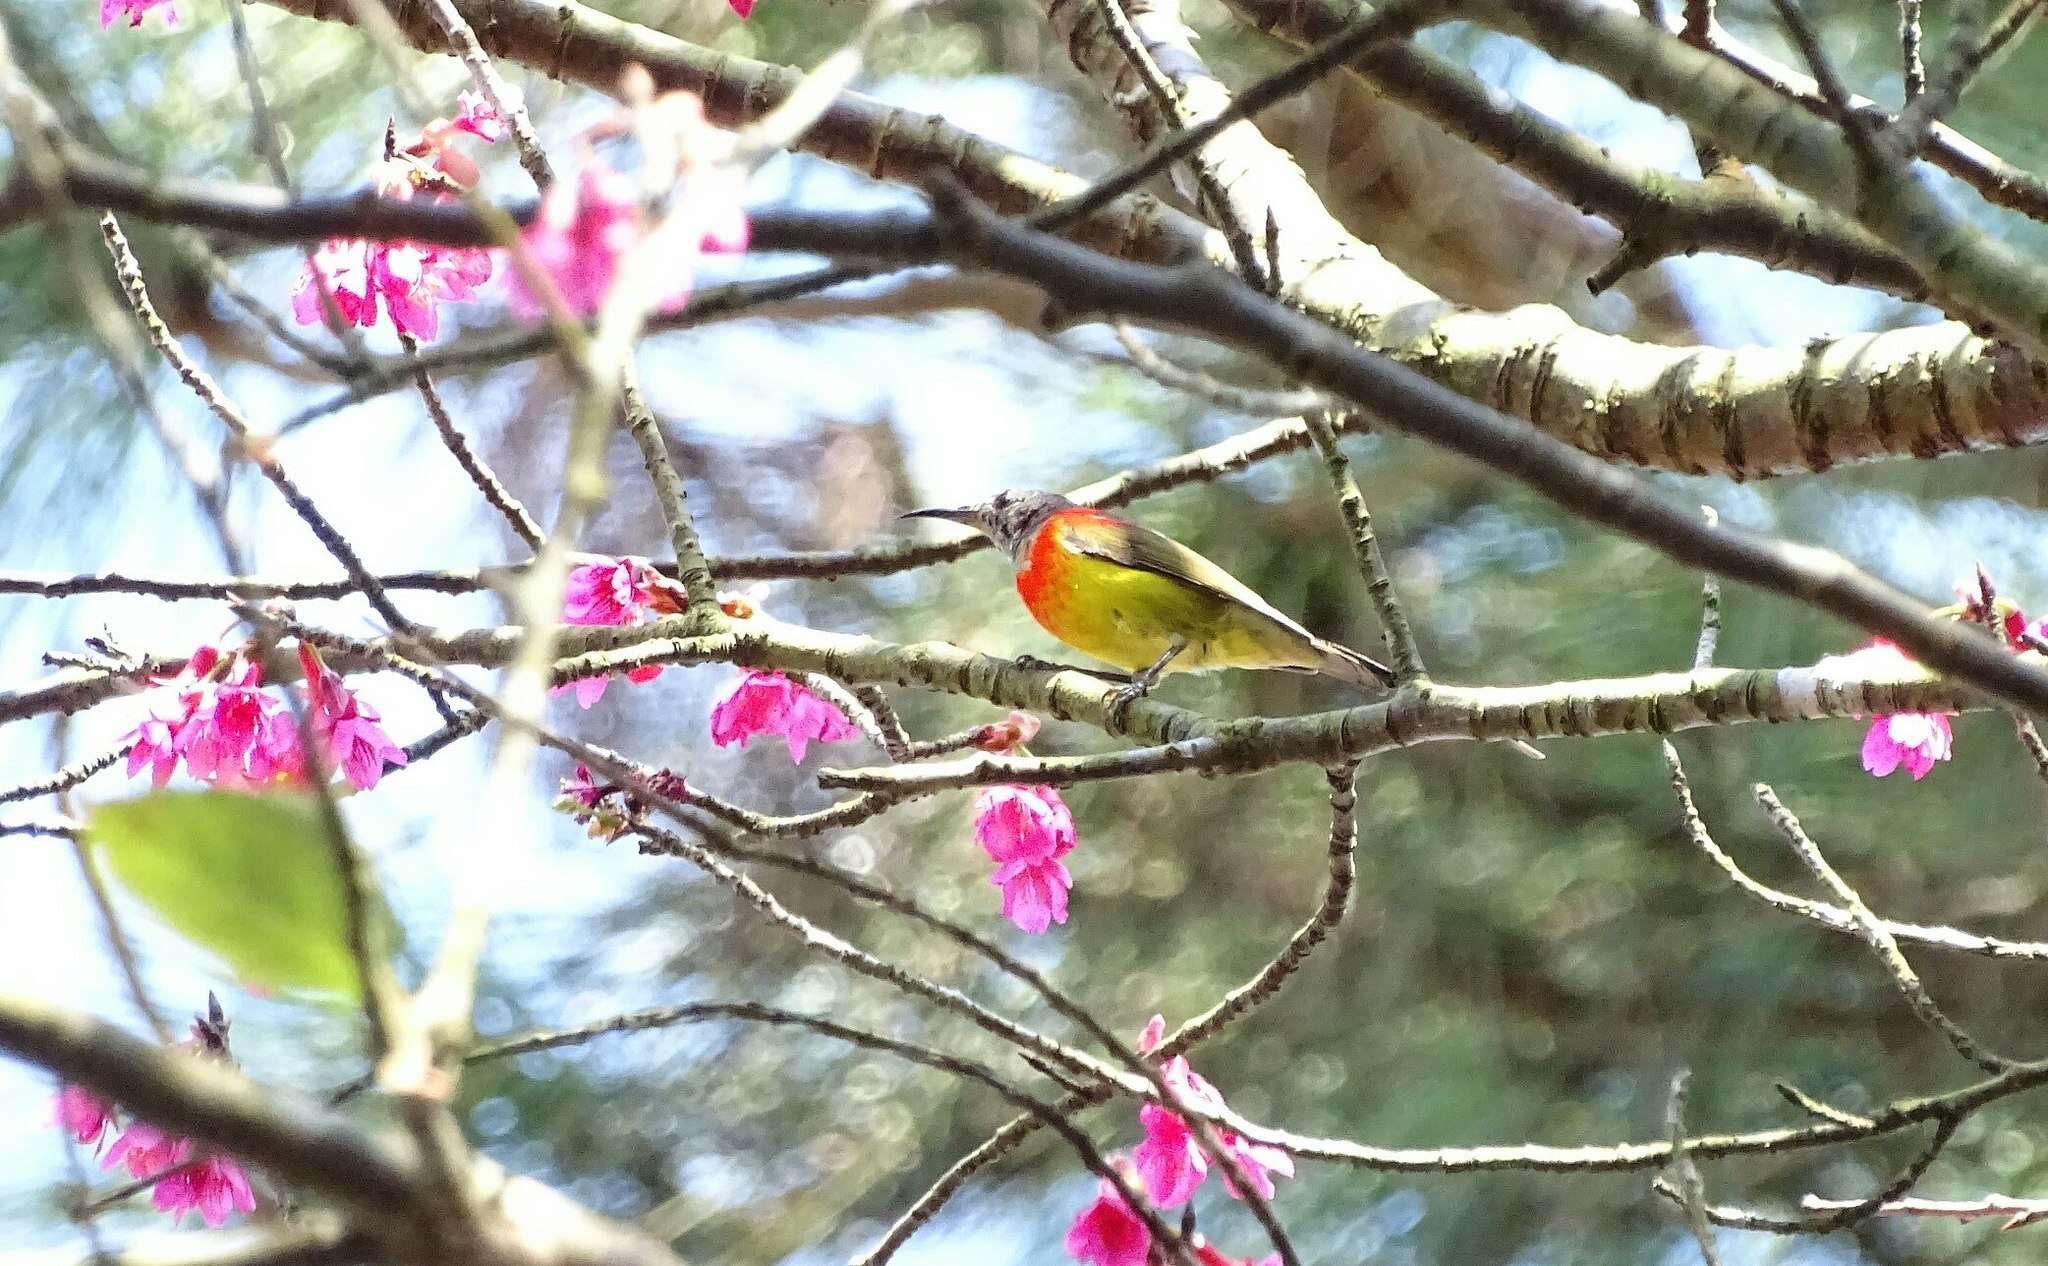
<point x="895" y="739"/>
<point x="2018" y="1211"/>
<point x="1825" y="1111"/>
<point x="1969" y="52"/>
<point x="479" y="472"/>
<point x="1915" y="69"/>
<point x="1323" y="920"/>
<point x="66" y="778"/>
<point x="201" y="383"/>
<point x="484" y="73"/>
<point x="1846" y="1213"/>
<point x="691" y="569"/>
<point x="1251" y="401"/>
<point x="1834" y="918"/>
<point x="1874" y="934"/>
<point x="1365" y="550"/>
<point x="1050" y="1115"/>
<point x="1166" y="101"/>
<point x="1683" y="1175"/>
<point x="1710" y="610"/>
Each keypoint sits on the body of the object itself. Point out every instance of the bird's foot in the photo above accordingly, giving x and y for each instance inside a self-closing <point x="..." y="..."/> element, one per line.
<point x="1141" y="684"/>
<point x="1035" y="664"/>
<point x="1120" y="703"/>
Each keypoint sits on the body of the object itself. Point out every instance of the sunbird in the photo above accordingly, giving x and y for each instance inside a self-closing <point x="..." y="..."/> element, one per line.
<point x="1131" y="597"/>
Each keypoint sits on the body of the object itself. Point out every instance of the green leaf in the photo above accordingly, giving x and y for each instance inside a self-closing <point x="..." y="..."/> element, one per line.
<point x="251" y="877"/>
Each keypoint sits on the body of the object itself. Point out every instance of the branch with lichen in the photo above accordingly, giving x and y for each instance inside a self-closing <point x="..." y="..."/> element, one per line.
<point x="1658" y="214"/>
<point x="1974" y="275"/>
<point x="1921" y="391"/>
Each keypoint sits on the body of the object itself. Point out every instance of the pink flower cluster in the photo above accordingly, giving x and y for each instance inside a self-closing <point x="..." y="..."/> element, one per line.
<point x="584" y="230"/>
<point x="214" y="1186"/>
<point x="112" y="11"/>
<point x="408" y="280"/>
<point x="217" y="718"/>
<point x="615" y="591"/>
<point x="770" y="703"/>
<point x="1171" y="1166"/>
<point x="346" y="726"/>
<point x="1025" y="831"/>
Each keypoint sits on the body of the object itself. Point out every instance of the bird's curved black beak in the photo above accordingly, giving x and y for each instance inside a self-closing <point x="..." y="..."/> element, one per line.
<point x="966" y="515"/>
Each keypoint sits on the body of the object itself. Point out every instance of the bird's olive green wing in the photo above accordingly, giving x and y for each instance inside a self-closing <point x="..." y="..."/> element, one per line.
<point x="1133" y="545"/>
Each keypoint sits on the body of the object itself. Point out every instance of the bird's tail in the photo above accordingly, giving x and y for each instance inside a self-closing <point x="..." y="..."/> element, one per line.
<point x="1348" y="665"/>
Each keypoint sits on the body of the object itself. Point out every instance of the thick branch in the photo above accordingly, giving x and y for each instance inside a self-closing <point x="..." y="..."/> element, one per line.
<point x="1921" y="391"/>
<point x="381" y="1181"/>
<point x="1975" y="274"/>
<point x="1660" y="211"/>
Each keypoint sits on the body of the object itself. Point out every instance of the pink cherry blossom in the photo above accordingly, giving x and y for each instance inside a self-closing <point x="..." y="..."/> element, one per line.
<point x="135" y="10"/>
<point x="359" y="747"/>
<point x="1257" y="1160"/>
<point x="411" y="280"/>
<point x="155" y="742"/>
<point x="217" y="718"/>
<point x="478" y="117"/>
<point x="1170" y="1161"/>
<point x="415" y="279"/>
<point x="745" y="8"/>
<point x="1108" y="1232"/>
<point x="582" y="231"/>
<point x="577" y="238"/>
<point x="1034" y="893"/>
<point x="224" y="720"/>
<point x="618" y="591"/>
<point x="614" y="591"/>
<point x="275" y="753"/>
<point x="1913" y="739"/>
<point x="1008" y="734"/>
<point x="215" y="1187"/>
<point x="1026" y="830"/>
<point x="406" y="281"/>
<point x="770" y="703"/>
<point x="84" y="1115"/>
<point x="588" y="690"/>
<point x="146" y="1150"/>
<point x="584" y="789"/>
<point x="346" y="726"/>
<point x="474" y="116"/>
<point x="345" y="264"/>
<point x="1014" y="822"/>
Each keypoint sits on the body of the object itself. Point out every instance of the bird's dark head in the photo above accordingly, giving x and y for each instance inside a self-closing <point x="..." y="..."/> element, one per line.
<point x="1011" y="518"/>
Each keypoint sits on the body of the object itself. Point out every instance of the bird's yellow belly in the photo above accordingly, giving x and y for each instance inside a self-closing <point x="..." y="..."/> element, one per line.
<point x="1128" y="617"/>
